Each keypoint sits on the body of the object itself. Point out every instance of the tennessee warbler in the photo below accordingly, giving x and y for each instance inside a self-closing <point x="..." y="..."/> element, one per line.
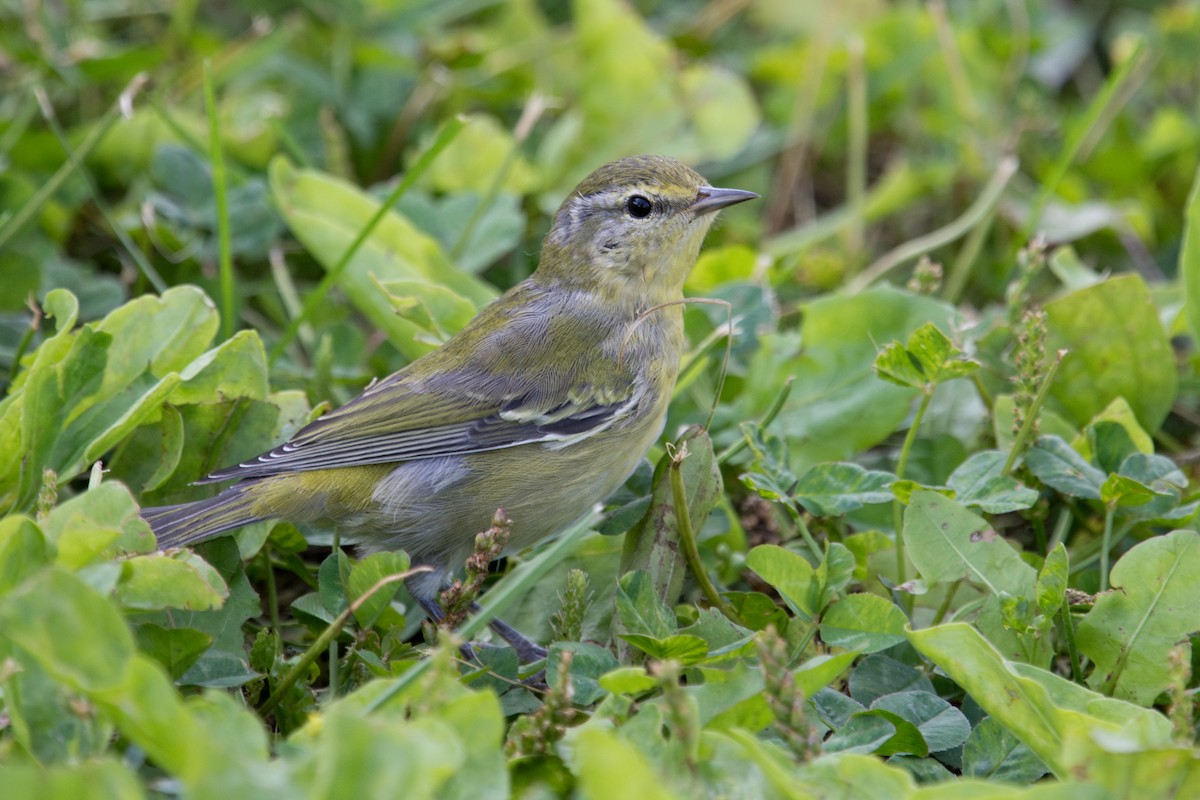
<point x="542" y="405"/>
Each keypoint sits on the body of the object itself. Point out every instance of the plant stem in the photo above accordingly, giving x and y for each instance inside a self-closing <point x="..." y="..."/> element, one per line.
<point x="325" y="639"/>
<point x="687" y="538"/>
<point x="973" y="216"/>
<point x="767" y="418"/>
<point x="856" y="156"/>
<point x="901" y="463"/>
<point x="1032" y="415"/>
<point x="944" y="608"/>
<point x="1110" y="511"/>
<point x="272" y="595"/>
<point x="220" y="178"/>
<point x="1069" y="631"/>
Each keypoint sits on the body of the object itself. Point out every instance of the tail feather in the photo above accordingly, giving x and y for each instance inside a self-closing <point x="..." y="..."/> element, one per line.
<point x="189" y="523"/>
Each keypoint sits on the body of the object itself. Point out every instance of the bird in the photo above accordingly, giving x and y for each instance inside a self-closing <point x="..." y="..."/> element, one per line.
<point x="542" y="405"/>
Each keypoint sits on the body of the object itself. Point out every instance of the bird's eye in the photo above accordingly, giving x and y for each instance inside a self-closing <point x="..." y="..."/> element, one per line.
<point x="639" y="207"/>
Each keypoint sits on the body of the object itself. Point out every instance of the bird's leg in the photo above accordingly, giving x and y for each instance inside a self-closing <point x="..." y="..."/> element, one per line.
<point x="527" y="650"/>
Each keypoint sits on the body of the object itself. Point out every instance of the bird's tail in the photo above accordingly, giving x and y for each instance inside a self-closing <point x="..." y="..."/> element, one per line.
<point x="189" y="523"/>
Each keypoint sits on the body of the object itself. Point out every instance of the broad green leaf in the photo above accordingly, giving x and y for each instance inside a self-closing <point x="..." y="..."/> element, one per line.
<point x="365" y="575"/>
<point x="829" y="490"/>
<point x="835" y="708"/>
<point x="628" y="680"/>
<point x="640" y="609"/>
<point x="236" y="368"/>
<point x="979" y="482"/>
<point x="23" y="551"/>
<point x="369" y="756"/>
<point x="948" y="543"/>
<point x="437" y="309"/>
<point x="1131" y="630"/>
<point x="180" y="580"/>
<point x="992" y="751"/>
<point x="97" y="524"/>
<point x="176" y="649"/>
<point x="589" y="663"/>
<point x="1113" y="322"/>
<point x="1164" y="478"/>
<point x="72" y="631"/>
<point x="104" y="779"/>
<point x="790" y="575"/>
<point x="929" y="358"/>
<point x="684" y="648"/>
<point x="607" y="766"/>
<point x="1055" y="464"/>
<point x="1043" y="710"/>
<point x="864" y="622"/>
<point x="879" y="675"/>
<point x="1121" y="491"/>
<point x="326" y="214"/>
<point x="837" y="407"/>
<point x="717" y="266"/>
<point x="475" y="158"/>
<point x="867" y="733"/>
<point x="942" y="726"/>
<point x="722" y="109"/>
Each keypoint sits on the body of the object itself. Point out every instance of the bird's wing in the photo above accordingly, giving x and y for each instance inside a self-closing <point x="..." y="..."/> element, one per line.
<point x="412" y="415"/>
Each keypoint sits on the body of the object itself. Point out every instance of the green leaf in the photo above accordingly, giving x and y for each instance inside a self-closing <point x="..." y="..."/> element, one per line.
<point x="864" y="622"/>
<point x="1131" y="630"/>
<point x="942" y="726"/>
<point x="684" y="648"/>
<point x="1121" y="491"/>
<point x="979" y="482"/>
<point x="790" y="575"/>
<point x="993" y="752"/>
<point x="1051" y="715"/>
<point x="948" y="543"/>
<point x="607" y="766"/>
<point x="589" y="663"/>
<point x="640" y="609"/>
<point x="72" y="631"/>
<point x="837" y="407"/>
<point x="628" y="680"/>
<point x="1113" y="322"/>
<point x="177" y="649"/>
<point x="326" y="214"/>
<point x="104" y="779"/>
<point x="1051" y="587"/>
<point x="867" y="733"/>
<point x="368" y="572"/>
<point x="1055" y="464"/>
<point x="879" y="675"/>
<point x="23" y="551"/>
<point x="99" y="523"/>
<point x="475" y="158"/>
<point x="180" y="580"/>
<point x="830" y="490"/>
<point x="928" y="359"/>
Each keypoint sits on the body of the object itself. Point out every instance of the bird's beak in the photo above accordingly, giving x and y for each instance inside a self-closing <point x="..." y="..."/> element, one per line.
<point x="710" y="199"/>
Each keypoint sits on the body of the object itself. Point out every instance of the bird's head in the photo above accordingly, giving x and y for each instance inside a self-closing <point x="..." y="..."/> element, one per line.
<point x="633" y="229"/>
